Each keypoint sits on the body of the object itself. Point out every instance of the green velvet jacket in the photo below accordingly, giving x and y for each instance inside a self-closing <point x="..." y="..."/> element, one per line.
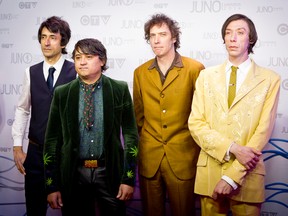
<point x="62" y="137"/>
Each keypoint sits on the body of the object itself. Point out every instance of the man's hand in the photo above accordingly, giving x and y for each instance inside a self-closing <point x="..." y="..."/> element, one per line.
<point x="247" y="156"/>
<point x="125" y="192"/>
<point x="55" y="201"/>
<point x="19" y="158"/>
<point x="222" y="189"/>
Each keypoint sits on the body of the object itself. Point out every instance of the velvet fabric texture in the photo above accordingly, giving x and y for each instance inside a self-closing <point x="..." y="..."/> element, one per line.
<point x="62" y="138"/>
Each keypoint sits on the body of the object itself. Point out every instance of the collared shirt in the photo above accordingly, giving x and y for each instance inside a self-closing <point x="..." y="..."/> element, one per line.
<point x="177" y="62"/>
<point x="57" y="66"/>
<point x="91" y="141"/>
<point x="22" y="112"/>
<point x="242" y="72"/>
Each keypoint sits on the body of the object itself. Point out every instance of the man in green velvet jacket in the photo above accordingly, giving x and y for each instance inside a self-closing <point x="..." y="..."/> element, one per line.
<point x="91" y="142"/>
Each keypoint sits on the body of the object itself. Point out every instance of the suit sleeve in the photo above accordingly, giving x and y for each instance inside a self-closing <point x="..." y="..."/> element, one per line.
<point x="130" y="135"/>
<point x="138" y="102"/>
<point x="53" y="139"/>
<point x="210" y="140"/>
<point x="263" y="131"/>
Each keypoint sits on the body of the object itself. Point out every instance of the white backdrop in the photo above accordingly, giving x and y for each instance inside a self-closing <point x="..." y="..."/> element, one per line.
<point x="119" y="25"/>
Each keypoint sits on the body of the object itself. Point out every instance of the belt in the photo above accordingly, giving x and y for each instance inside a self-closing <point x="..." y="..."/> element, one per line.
<point x="91" y="163"/>
<point x="34" y="143"/>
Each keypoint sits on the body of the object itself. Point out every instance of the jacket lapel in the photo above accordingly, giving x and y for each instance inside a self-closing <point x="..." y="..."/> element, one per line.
<point x="173" y="74"/>
<point x="72" y="111"/>
<point x="154" y="76"/>
<point x="219" y="83"/>
<point x="252" y="80"/>
<point x="108" y="107"/>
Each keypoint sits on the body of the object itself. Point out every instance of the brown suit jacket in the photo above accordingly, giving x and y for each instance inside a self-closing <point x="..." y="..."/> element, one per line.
<point x="162" y="113"/>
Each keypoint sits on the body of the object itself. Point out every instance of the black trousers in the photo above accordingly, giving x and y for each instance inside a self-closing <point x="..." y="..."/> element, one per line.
<point x="91" y="196"/>
<point x="36" y="199"/>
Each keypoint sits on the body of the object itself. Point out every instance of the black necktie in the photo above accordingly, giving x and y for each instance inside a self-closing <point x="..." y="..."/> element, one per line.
<point x="50" y="78"/>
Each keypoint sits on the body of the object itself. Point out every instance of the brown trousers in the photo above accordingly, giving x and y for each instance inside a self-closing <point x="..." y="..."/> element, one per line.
<point x="154" y="191"/>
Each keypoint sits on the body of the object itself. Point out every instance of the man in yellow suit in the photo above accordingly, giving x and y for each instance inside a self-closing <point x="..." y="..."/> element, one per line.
<point x="162" y="94"/>
<point x="232" y="121"/>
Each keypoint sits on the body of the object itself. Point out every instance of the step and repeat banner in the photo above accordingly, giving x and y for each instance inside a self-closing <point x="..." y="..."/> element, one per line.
<point x="119" y="25"/>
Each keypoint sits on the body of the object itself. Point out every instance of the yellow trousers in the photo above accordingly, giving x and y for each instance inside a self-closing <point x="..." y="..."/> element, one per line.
<point x="221" y="207"/>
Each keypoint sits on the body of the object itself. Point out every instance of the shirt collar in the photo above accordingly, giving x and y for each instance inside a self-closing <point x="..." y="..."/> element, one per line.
<point x="58" y="65"/>
<point x="177" y="62"/>
<point x="97" y="84"/>
<point x="242" y="67"/>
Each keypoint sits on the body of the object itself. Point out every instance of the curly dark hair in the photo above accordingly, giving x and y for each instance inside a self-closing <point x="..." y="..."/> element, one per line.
<point x="159" y="19"/>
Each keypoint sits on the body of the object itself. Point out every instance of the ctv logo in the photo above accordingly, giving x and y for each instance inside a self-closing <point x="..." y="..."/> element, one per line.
<point x="94" y="20"/>
<point x="27" y="5"/>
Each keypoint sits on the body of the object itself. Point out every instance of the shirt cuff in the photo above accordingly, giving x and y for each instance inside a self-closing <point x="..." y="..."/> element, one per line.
<point x="16" y="144"/>
<point x="227" y="156"/>
<point x="230" y="182"/>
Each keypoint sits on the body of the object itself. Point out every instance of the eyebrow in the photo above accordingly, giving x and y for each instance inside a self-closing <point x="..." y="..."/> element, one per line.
<point x="52" y="34"/>
<point x="163" y="32"/>
<point x="241" y="28"/>
<point x="79" y="53"/>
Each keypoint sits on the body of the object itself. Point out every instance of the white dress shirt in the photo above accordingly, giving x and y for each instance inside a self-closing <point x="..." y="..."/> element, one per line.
<point x="22" y="113"/>
<point x="242" y="72"/>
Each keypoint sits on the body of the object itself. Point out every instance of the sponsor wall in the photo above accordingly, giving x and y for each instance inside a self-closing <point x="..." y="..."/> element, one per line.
<point x="119" y="25"/>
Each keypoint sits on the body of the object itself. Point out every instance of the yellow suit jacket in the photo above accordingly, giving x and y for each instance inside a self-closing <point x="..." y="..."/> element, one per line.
<point x="248" y="122"/>
<point x="162" y="113"/>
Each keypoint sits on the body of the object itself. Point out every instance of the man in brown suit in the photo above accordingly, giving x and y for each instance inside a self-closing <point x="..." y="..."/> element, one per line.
<point x="162" y="93"/>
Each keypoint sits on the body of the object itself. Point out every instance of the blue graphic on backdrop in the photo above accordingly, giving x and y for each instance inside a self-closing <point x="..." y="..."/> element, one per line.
<point x="9" y="184"/>
<point x="134" y="205"/>
<point x="279" y="187"/>
<point x="9" y="181"/>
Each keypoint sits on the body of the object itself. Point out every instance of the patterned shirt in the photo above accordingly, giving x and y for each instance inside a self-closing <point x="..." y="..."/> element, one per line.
<point x="91" y="141"/>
